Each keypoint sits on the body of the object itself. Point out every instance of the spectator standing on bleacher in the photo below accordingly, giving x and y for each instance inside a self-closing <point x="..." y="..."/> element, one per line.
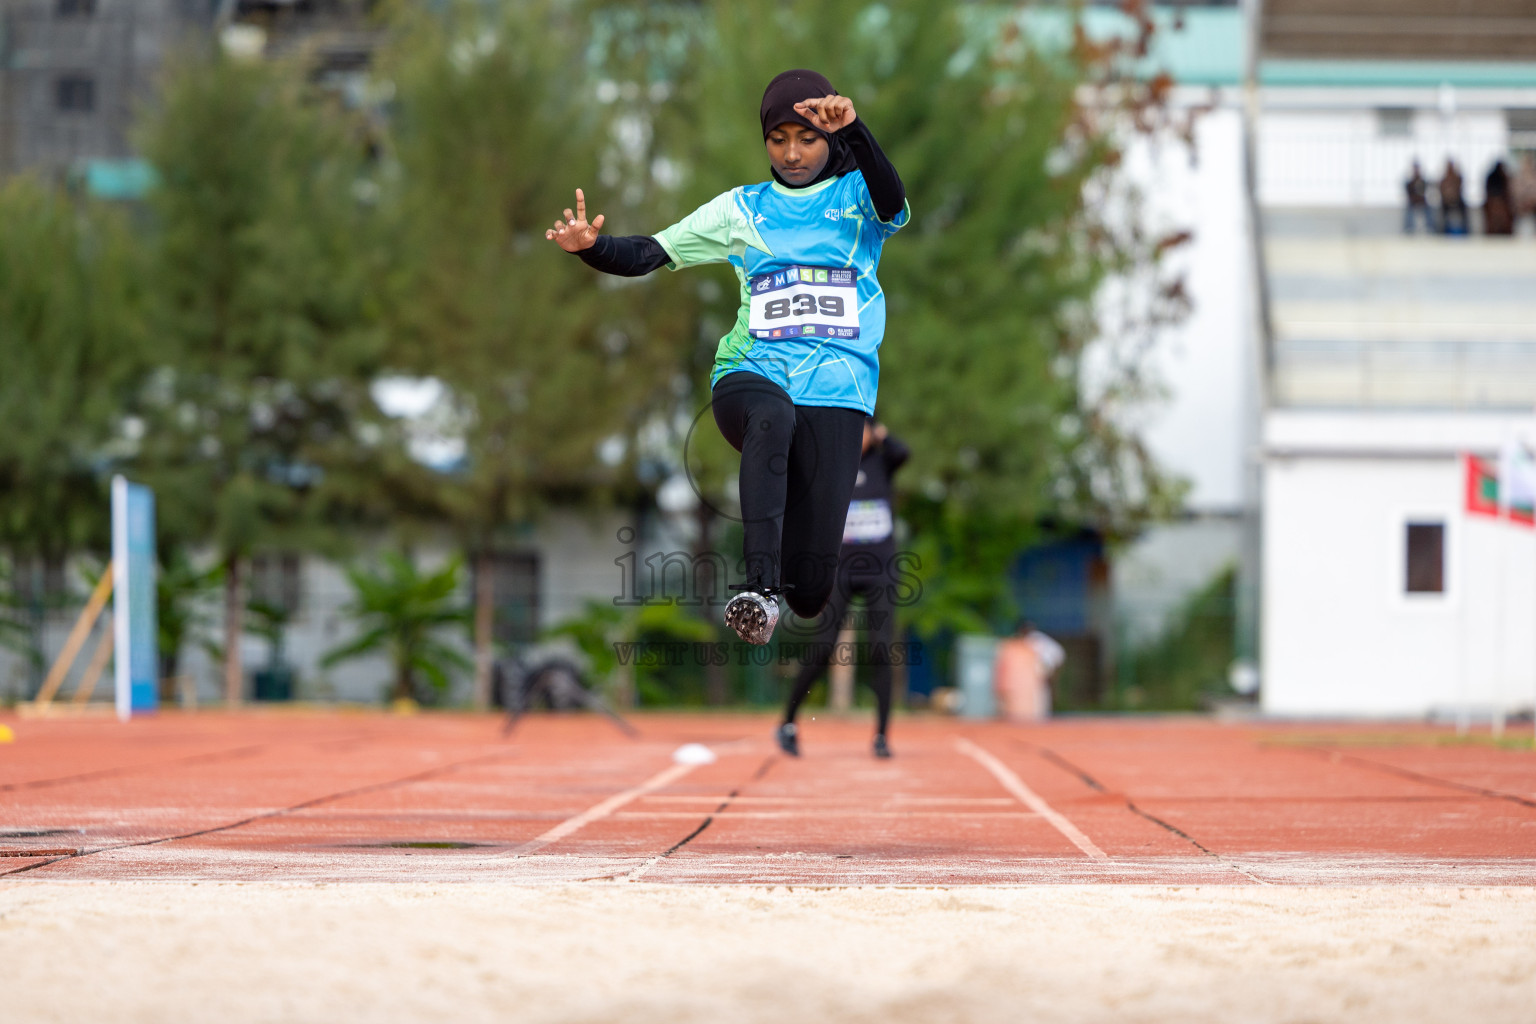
<point x="1418" y="202"/>
<point x="1523" y="189"/>
<point x="1498" y="214"/>
<point x="1453" y="208"/>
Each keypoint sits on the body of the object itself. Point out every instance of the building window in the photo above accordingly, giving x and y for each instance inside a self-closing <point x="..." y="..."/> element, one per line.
<point x="1394" y="122"/>
<point x="77" y="93"/>
<point x="515" y="595"/>
<point x="76" y="8"/>
<point x="1426" y="558"/>
<point x="277" y="582"/>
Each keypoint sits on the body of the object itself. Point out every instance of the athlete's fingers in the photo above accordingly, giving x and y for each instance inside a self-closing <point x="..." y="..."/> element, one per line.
<point x="597" y="223"/>
<point x="581" y="205"/>
<point x="570" y="218"/>
<point x="549" y="235"/>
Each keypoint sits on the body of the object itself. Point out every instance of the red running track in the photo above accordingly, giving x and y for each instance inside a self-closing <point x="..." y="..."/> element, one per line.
<point x="307" y="795"/>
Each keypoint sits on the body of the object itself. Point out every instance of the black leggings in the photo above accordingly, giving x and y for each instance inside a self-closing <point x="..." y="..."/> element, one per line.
<point x="798" y="466"/>
<point x="879" y="628"/>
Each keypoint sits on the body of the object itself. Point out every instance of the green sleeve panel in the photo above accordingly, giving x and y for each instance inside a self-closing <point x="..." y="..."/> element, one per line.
<point x="713" y="233"/>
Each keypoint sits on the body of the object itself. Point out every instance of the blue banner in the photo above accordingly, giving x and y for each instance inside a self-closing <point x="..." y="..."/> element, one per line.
<point x="136" y="633"/>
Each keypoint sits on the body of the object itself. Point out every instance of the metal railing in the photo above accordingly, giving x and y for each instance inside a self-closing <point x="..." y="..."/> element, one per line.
<point x="1302" y="162"/>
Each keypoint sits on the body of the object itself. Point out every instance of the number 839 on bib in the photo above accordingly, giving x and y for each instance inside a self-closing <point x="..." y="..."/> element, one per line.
<point x="801" y="302"/>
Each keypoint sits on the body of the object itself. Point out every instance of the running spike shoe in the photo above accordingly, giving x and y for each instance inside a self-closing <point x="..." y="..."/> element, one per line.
<point x="789" y="739"/>
<point x="753" y="615"/>
<point x="882" y="748"/>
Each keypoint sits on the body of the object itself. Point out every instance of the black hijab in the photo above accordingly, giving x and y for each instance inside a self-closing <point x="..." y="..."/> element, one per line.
<point x="779" y="99"/>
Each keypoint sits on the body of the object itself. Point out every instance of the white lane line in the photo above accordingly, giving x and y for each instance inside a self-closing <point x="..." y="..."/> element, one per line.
<point x="597" y="812"/>
<point x="1029" y="798"/>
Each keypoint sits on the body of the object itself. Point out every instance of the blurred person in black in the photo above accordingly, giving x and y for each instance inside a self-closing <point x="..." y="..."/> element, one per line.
<point x="1417" y="190"/>
<point x="1453" y="208"/>
<point x="866" y="569"/>
<point x="1498" y="211"/>
<point x="1523" y="189"/>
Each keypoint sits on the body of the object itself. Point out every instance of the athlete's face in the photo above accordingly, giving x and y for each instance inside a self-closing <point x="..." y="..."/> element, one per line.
<point x="798" y="153"/>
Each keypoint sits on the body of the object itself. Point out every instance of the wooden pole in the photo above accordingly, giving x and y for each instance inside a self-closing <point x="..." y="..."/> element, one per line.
<point x="77" y="637"/>
<point x="95" y="668"/>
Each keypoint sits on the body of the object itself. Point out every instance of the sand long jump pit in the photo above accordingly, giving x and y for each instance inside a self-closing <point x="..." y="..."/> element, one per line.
<point x="334" y="867"/>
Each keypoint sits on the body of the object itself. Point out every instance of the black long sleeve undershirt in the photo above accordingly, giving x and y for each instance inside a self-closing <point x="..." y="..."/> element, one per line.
<point x="625" y="255"/>
<point x="638" y="255"/>
<point x="885" y="188"/>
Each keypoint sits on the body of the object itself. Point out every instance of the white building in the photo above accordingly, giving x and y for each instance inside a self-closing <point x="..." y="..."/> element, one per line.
<point x="1382" y="596"/>
<point x="1386" y="358"/>
<point x="1333" y="371"/>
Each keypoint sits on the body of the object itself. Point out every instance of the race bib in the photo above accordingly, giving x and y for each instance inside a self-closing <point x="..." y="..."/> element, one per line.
<point x="804" y="302"/>
<point x="868" y="522"/>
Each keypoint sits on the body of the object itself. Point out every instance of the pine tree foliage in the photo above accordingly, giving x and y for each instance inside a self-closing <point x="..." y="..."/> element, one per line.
<point x="71" y="349"/>
<point x="493" y="128"/>
<point x="264" y="314"/>
<point x="265" y="305"/>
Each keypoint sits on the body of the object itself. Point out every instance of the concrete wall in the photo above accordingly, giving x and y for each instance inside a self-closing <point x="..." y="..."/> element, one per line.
<point x="1202" y="429"/>
<point x="1365" y="317"/>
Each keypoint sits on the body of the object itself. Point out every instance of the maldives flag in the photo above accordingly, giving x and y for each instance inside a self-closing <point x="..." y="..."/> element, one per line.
<point x="1482" y="492"/>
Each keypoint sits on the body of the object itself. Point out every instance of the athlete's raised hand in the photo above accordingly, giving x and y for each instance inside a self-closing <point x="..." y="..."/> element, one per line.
<point x="828" y="113"/>
<point x="574" y="234"/>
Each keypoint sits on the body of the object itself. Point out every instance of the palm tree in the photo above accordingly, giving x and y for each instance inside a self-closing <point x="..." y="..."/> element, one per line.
<point x="402" y="612"/>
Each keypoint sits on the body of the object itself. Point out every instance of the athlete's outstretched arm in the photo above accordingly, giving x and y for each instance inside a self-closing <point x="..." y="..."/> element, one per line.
<point x="627" y="256"/>
<point x="836" y="114"/>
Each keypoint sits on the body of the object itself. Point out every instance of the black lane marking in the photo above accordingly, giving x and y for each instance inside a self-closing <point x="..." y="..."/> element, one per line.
<point x="103" y="773"/>
<point x="1095" y="784"/>
<point x="691" y="836"/>
<point x="710" y="818"/>
<point x="1409" y="773"/>
<point x="1068" y="766"/>
<point x="280" y="812"/>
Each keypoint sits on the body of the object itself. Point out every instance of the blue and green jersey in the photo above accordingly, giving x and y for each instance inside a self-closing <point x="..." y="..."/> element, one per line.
<point x="812" y="313"/>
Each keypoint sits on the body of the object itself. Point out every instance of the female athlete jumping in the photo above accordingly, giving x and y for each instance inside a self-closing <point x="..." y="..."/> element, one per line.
<point x="796" y="375"/>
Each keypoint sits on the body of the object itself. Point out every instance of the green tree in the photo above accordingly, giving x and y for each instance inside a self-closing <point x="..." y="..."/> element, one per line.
<point x="265" y="314"/>
<point x="403" y="612"/>
<point x="493" y="127"/>
<point x="72" y="347"/>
